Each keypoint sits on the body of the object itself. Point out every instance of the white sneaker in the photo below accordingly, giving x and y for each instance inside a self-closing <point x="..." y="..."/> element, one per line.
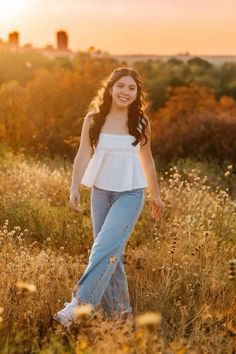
<point x="65" y="316"/>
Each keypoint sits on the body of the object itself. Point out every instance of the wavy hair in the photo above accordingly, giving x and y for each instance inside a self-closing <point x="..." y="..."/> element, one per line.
<point x="101" y="103"/>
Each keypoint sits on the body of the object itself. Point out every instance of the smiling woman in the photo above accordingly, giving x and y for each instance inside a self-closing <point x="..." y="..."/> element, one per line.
<point x="12" y="9"/>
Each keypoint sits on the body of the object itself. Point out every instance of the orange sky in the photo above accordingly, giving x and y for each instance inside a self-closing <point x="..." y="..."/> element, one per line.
<point x="126" y="26"/>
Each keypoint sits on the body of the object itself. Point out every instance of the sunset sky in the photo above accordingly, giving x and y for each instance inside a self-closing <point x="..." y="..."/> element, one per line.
<point x="125" y="26"/>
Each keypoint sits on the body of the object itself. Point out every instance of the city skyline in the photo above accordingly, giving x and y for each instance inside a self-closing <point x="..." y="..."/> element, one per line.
<point x="13" y="42"/>
<point x="150" y="27"/>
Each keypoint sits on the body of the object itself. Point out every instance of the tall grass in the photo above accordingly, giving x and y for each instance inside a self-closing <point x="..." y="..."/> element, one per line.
<point x="177" y="267"/>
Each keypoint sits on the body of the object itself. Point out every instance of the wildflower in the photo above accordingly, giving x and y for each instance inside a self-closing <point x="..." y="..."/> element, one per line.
<point x="112" y="259"/>
<point x="148" y="319"/>
<point x="82" y="345"/>
<point x="188" y="219"/>
<point x="26" y="286"/>
<point x="126" y="348"/>
<point x="83" y="310"/>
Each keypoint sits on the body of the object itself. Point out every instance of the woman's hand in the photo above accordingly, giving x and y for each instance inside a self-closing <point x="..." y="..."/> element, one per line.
<point x="75" y="199"/>
<point x="157" y="207"/>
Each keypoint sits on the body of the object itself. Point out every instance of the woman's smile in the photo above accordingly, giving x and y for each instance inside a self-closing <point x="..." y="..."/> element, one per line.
<point x="123" y="99"/>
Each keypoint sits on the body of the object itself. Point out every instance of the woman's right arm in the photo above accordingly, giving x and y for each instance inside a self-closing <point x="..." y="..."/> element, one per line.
<point x="83" y="155"/>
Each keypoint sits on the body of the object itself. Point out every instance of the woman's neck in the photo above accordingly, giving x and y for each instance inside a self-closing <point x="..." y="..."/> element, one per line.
<point x="118" y="112"/>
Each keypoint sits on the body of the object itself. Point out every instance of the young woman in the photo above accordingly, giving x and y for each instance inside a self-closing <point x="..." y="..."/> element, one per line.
<point x="114" y="160"/>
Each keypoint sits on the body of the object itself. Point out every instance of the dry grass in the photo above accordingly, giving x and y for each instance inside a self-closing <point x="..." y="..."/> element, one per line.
<point x="178" y="268"/>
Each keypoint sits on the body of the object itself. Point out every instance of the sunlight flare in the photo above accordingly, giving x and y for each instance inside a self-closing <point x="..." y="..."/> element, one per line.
<point x="12" y="9"/>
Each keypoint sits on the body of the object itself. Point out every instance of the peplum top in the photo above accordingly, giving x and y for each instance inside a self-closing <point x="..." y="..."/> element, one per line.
<point x="115" y="164"/>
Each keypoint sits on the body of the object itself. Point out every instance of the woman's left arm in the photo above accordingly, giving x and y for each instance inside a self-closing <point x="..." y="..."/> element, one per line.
<point x="149" y="169"/>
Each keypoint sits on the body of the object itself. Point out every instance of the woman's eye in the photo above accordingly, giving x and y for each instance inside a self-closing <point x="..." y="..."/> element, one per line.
<point x="131" y="88"/>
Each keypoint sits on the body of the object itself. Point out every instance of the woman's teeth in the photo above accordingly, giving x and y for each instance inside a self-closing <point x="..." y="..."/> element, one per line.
<point x="123" y="99"/>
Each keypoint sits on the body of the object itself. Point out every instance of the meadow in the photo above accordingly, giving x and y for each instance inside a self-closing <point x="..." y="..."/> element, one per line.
<point x="181" y="269"/>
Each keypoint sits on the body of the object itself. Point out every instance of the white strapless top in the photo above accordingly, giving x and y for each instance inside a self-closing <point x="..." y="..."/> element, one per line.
<point x="115" y="164"/>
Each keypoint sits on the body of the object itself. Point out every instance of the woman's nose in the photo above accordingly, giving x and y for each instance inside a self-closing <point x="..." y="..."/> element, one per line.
<point x="125" y="93"/>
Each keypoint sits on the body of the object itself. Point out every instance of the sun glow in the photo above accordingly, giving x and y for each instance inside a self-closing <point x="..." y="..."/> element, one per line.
<point x="11" y="10"/>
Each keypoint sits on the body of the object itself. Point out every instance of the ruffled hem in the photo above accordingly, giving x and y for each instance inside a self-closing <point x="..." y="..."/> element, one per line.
<point x="114" y="171"/>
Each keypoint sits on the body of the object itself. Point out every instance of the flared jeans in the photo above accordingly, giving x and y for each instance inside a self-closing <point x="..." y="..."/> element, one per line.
<point x="104" y="281"/>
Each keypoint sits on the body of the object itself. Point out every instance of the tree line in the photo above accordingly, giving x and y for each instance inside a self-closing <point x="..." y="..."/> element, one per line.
<point x="191" y="105"/>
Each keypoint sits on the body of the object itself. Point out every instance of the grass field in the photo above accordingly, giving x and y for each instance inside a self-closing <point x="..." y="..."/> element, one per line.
<point x="181" y="269"/>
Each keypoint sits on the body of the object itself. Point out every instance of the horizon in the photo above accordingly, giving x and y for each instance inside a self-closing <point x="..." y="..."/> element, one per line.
<point x="134" y="28"/>
<point x="187" y="53"/>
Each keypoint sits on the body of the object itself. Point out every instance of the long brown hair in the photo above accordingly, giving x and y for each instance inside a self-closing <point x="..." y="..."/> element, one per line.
<point x="101" y="103"/>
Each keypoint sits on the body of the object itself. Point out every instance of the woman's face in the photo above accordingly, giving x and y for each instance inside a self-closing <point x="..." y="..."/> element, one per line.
<point x="124" y="91"/>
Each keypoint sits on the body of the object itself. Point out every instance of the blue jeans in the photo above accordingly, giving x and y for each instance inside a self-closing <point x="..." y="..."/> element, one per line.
<point x="104" y="281"/>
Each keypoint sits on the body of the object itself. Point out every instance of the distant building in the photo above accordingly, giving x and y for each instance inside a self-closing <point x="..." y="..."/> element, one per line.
<point x="62" y="40"/>
<point x="13" y="39"/>
<point x="28" y="46"/>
